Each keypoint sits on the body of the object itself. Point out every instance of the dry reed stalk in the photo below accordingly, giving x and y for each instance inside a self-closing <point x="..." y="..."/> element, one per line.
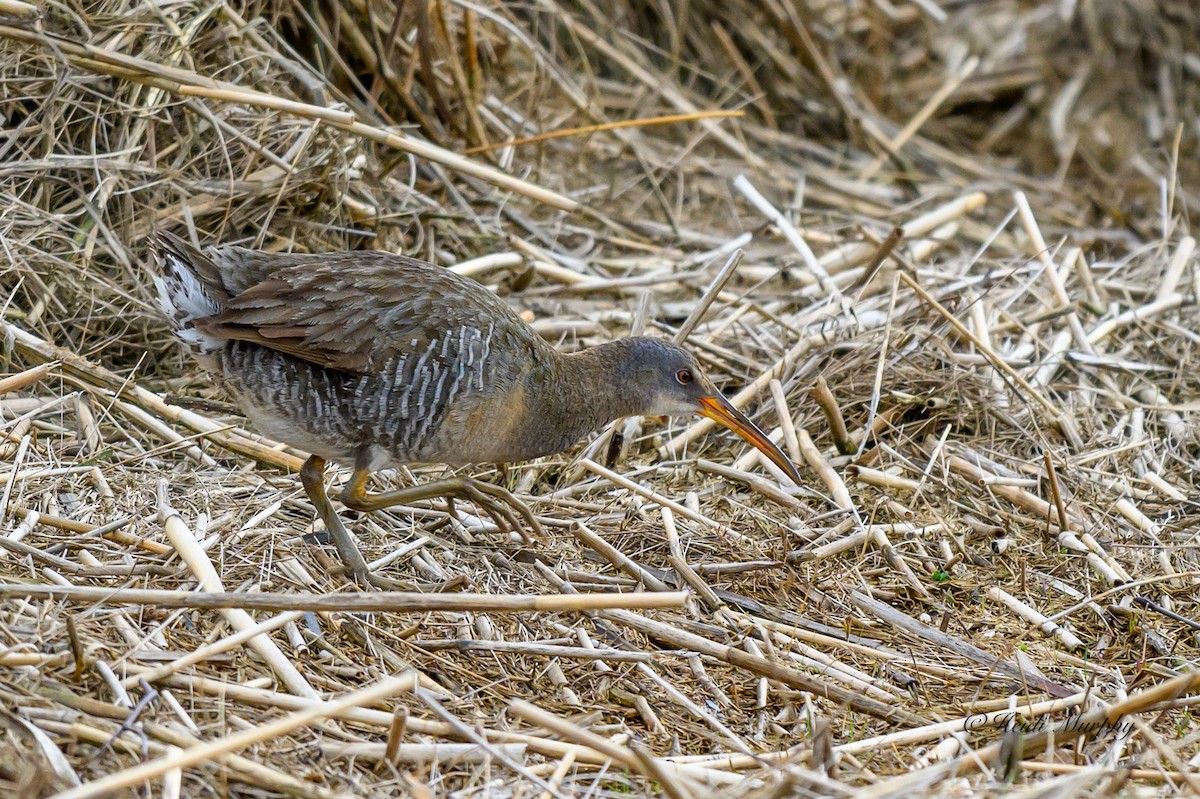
<point x="380" y="601"/>
<point x="34" y="374"/>
<point x="893" y="144"/>
<point x="996" y="360"/>
<point x="706" y="300"/>
<point x="16" y="8"/>
<point x="1148" y="774"/>
<point x="1068" y="639"/>
<point x="533" y="648"/>
<point x="1057" y="286"/>
<point x="621" y="755"/>
<point x="829" y="476"/>
<point x="833" y="415"/>
<point x="703" y="590"/>
<point x="618" y="558"/>
<point x="789" y="232"/>
<point x="928" y="732"/>
<point x="669" y="119"/>
<point x="843" y="258"/>
<point x="654" y="496"/>
<point x="148" y="400"/>
<point x="761" y="485"/>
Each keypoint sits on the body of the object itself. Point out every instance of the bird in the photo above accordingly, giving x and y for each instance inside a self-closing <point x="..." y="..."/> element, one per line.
<point x="372" y="360"/>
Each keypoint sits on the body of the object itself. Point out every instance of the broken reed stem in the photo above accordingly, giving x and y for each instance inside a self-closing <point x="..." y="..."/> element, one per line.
<point x="617" y="557"/>
<point x="767" y="488"/>
<point x="893" y="145"/>
<point x="574" y="733"/>
<point x="377" y="602"/>
<point x="842" y="258"/>
<point x="928" y="732"/>
<point x="16" y="8"/>
<point x="370" y="717"/>
<point x="1142" y="312"/>
<point x="828" y="404"/>
<point x="26" y="378"/>
<point x="242" y="97"/>
<point x="243" y="768"/>
<point x="1068" y="639"/>
<point x="786" y="424"/>
<point x="1050" y="269"/>
<point x="710" y="294"/>
<point x="534" y="648"/>
<point x="1055" y="491"/>
<point x="983" y="346"/>
<point x="395" y="734"/>
<point x="1179" y="262"/>
<point x="198" y="563"/>
<point x="1147" y="774"/>
<point x="591" y="741"/>
<point x="417" y="754"/>
<point x="902" y="621"/>
<point x="674" y="785"/>
<point x="789" y="232"/>
<point x="872" y="267"/>
<point x="111" y="531"/>
<point x="683" y="568"/>
<point x="829" y="476"/>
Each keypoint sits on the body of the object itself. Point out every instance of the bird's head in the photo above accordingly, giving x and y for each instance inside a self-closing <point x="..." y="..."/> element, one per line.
<point x="662" y="379"/>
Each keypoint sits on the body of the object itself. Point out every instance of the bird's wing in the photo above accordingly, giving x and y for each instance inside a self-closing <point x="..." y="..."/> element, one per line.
<point x="241" y="268"/>
<point x="358" y="311"/>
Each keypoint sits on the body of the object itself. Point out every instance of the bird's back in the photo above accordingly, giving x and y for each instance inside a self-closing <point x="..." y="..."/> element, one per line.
<point x="361" y="357"/>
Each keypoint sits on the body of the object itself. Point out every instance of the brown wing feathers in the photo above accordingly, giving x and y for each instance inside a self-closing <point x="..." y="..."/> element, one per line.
<point x="353" y="311"/>
<point x="274" y="314"/>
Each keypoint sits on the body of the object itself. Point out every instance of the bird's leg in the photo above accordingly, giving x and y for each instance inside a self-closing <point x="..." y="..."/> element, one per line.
<point x="496" y="501"/>
<point x="312" y="477"/>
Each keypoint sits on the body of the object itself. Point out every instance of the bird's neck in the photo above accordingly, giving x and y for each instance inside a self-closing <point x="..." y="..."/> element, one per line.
<point x="578" y="393"/>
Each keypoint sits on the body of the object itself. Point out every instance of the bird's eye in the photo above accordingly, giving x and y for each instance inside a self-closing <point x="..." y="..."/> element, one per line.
<point x="684" y="376"/>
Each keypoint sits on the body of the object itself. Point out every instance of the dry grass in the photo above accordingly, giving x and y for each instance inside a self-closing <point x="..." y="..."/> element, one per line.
<point x="996" y="413"/>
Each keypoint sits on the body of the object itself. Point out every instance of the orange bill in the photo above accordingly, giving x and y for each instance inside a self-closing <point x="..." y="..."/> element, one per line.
<point x="723" y="413"/>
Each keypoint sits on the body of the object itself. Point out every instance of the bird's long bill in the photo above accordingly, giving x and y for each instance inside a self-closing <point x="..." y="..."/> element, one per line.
<point x="723" y="413"/>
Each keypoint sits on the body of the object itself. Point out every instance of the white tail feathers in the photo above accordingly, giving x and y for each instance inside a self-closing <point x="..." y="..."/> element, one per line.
<point x="183" y="297"/>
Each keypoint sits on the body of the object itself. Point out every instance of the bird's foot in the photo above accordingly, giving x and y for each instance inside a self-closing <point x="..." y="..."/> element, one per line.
<point x="374" y="580"/>
<point x="500" y="504"/>
<point x="356" y="566"/>
<point x="497" y="502"/>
